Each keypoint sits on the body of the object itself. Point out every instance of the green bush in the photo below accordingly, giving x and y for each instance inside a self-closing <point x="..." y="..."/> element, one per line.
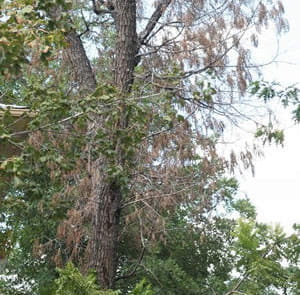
<point x="72" y="282"/>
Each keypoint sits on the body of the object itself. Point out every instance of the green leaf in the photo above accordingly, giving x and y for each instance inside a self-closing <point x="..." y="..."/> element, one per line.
<point x="27" y="9"/>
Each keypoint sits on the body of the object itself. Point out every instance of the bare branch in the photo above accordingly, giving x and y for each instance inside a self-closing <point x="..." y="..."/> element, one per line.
<point x="239" y="283"/>
<point x="157" y="14"/>
<point x="47" y="125"/>
<point x="87" y="28"/>
<point x="162" y="45"/>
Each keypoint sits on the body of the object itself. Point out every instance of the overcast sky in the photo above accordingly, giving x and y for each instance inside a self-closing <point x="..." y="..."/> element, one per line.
<point x="275" y="188"/>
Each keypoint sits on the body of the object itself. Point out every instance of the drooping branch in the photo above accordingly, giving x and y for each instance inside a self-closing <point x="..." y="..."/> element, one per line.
<point x="157" y="14"/>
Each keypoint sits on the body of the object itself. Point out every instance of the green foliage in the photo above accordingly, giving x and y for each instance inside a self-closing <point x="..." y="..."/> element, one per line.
<point x="142" y="288"/>
<point x="169" y="278"/>
<point x="22" y="27"/>
<point x="195" y="256"/>
<point x="245" y="208"/>
<point x="268" y="91"/>
<point x="268" y="134"/>
<point x="213" y="254"/>
<point x="72" y="282"/>
<point x="287" y="97"/>
<point x="261" y="251"/>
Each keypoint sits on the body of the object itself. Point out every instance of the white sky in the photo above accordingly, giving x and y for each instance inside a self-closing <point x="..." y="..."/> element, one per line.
<point x="275" y="188"/>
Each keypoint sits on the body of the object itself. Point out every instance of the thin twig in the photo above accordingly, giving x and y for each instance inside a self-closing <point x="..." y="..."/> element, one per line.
<point x="47" y="125"/>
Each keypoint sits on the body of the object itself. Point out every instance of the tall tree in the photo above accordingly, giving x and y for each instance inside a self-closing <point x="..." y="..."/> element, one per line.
<point x="177" y="69"/>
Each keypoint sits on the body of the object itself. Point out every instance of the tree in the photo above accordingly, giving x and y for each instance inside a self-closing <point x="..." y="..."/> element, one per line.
<point x="222" y="251"/>
<point x="142" y="118"/>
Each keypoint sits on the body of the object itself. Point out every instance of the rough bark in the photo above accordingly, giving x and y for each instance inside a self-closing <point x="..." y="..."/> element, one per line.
<point x="106" y="193"/>
<point x="104" y="243"/>
<point x="80" y="64"/>
<point x="126" y="45"/>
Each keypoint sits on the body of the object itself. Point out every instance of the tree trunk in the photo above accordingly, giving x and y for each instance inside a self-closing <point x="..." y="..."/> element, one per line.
<point x="126" y="45"/>
<point x="107" y="193"/>
<point x="80" y="64"/>
<point x="105" y="236"/>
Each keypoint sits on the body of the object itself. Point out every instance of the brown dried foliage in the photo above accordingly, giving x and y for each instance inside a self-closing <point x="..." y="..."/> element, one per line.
<point x="180" y="165"/>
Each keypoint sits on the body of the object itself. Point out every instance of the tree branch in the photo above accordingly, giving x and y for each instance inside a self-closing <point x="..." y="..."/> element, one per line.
<point x="157" y="14"/>
<point x="46" y="125"/>
<point x="126" y="276"/>
<point x="87" y="27"/>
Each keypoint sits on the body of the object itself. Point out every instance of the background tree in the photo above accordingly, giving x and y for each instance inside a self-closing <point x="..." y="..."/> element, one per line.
<point x="226" y="251"/>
